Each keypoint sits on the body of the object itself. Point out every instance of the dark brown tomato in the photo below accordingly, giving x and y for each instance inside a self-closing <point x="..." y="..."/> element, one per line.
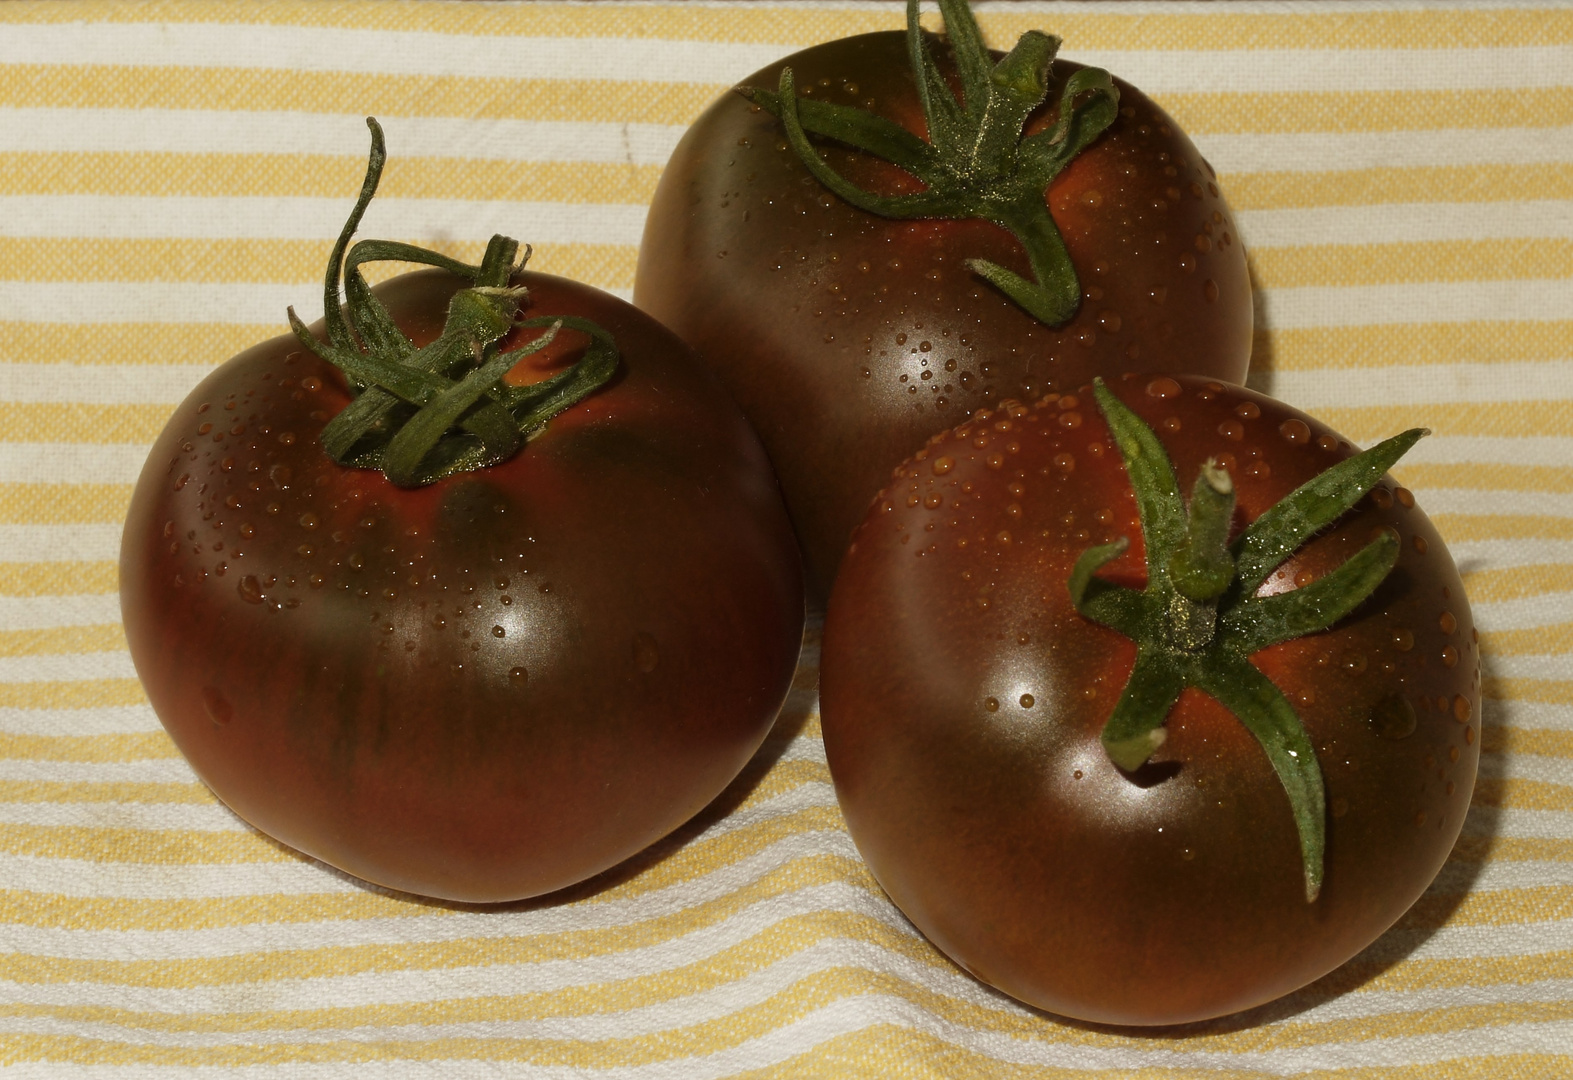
<point x="849" y="339"/>
<point x="484" y="689"/>
<point x="963" y="697"/>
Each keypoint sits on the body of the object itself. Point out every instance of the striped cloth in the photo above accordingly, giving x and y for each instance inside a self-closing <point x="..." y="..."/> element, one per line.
<point x="171" y="175"/>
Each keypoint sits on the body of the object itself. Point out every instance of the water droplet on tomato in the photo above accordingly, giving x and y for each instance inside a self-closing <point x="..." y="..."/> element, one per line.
<point x="1394" y="717"/>
<point x="250" y="589"/>
<point x="518" y="677"/>
<point x="218" y="709"/>
<point x="991" y="704"/>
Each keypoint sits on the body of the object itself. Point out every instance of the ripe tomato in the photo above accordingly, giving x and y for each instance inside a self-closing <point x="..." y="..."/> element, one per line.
<point x="484" y="688"/>
<point x="848" y="338"/>
<point x="967" y="706"/>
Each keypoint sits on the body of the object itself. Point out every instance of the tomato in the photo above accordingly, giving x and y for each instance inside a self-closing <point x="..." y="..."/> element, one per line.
<point x="1266" y="829"/>
<point x="849" y="338"/>
<point x="490" y="686"/>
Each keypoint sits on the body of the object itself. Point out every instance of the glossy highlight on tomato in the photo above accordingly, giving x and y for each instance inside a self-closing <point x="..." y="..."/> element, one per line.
<point x="849" y="338"/>
<point x="963" y="698"/>
<point x="485" y="688"/>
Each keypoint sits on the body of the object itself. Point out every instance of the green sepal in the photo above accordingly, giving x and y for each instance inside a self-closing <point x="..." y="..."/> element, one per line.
<point x="975" y="162"/>
<point x="421" y="414"/>
<point x="1204" y="634"/>
<point x="1270" y="539"/>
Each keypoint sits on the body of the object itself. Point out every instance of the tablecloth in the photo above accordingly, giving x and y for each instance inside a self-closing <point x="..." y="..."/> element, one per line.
<point x="171" y="176"/>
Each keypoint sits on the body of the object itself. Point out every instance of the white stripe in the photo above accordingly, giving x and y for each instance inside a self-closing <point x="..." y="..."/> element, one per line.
<point x="200" y="131"/>
<point x="1510" y="767"/>
<point x="108" y="384"/>
<point x="1556" y="450"/>
<point x="1533" y="667"/>
<point x="158" y="816"/>
<point x="45" y="612"/>
<point x="1526" y="715"/>
<point x="1477" y="501"/>
<point x="1525" y="613"/>
<point x="1395" y="223"/>
<point x="66" y="667"/>
<point x="1319" y="151"/>
<point x="65" y="463"/>
<point x="1282" y="71"/>
<point x="1500" y="875"/>
<point x="1525" y="824"/>
<point x="1316" y="306"/>
<point x="1475" y="555"/>
<point x="298" y="49"/>
<point x="283" y="217"/>
<point x="162" y="770"/>
<point x="110" y="720"/>
<point x="68" y="543"/>
<point x="1420" y="385"/>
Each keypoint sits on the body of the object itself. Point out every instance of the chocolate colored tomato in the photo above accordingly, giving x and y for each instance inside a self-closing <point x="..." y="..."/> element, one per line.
<point x="849" y="338"/>
<point x="485" y="688"/>
<point x="965" y="700"/>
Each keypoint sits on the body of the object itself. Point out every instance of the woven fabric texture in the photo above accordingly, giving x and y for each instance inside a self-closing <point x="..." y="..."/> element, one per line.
<point x="171" y="177"/>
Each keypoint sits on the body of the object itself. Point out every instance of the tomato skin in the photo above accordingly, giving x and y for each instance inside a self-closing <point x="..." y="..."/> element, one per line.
<point x="1176" y="893"/>
<point x="332" y="670"/>
<point x="849" y="339"/>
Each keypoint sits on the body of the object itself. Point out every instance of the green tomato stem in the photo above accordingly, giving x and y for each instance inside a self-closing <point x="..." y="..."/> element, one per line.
<point x="1198" y="620"/>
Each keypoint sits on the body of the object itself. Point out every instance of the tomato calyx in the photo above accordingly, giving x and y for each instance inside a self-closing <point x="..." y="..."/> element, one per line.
<point x="423" y="413"/>
<point x="975" y="163"/>
<point x="1198" y="620"/>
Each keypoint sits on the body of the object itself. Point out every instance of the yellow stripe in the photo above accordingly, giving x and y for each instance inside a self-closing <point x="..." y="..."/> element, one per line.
<point x="1458" y="528"/>
<point x="41" y="791"/>
<point x="110" y="637"/>
<point x="1541" y="742"/>
<point x="71" y="695"/>
<point x="1425" y="343"/>
<point x="1492" y="476"/>
<point x="170" y="847"/>
<point x="1536" y="642"/>
<point x="1522" y="795"/>
<point x="1486" y="418"/>
<point x="1553" y="691"/>
<point x="1517" y="582"/>
<point x="51" y="422"/>
<point x="132" y="343"/>
<point x="218" y="174"/>
<point x="385" y="96"/>
<point x="784" y="22"/>
<point x="62" y="504"/>
<point x="1388" y="264"/>
<point x="95" y="749"/>
<point x="1478" y="849"/>
<point x="1414" y="184"/>
<point x="58" y="579"/>
<point x="290" y="262"/>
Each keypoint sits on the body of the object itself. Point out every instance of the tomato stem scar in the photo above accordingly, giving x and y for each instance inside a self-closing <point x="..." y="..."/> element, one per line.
<point x="1198" y="620"/>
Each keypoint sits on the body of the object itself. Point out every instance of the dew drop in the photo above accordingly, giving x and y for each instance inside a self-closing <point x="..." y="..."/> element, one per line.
<point x="250" y="589"/>
<point x="1394" y="717"/>
<point x="1461" y="709"/>
<point x="498" y="632"/>
<point x="218" y="709"/>
<point x="1028" y="701"/>
<point x="1295" y="431"/>
<point x="991" y="704"/>
<point x="518" y="677"/>
<point x="1163" y="388"/>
